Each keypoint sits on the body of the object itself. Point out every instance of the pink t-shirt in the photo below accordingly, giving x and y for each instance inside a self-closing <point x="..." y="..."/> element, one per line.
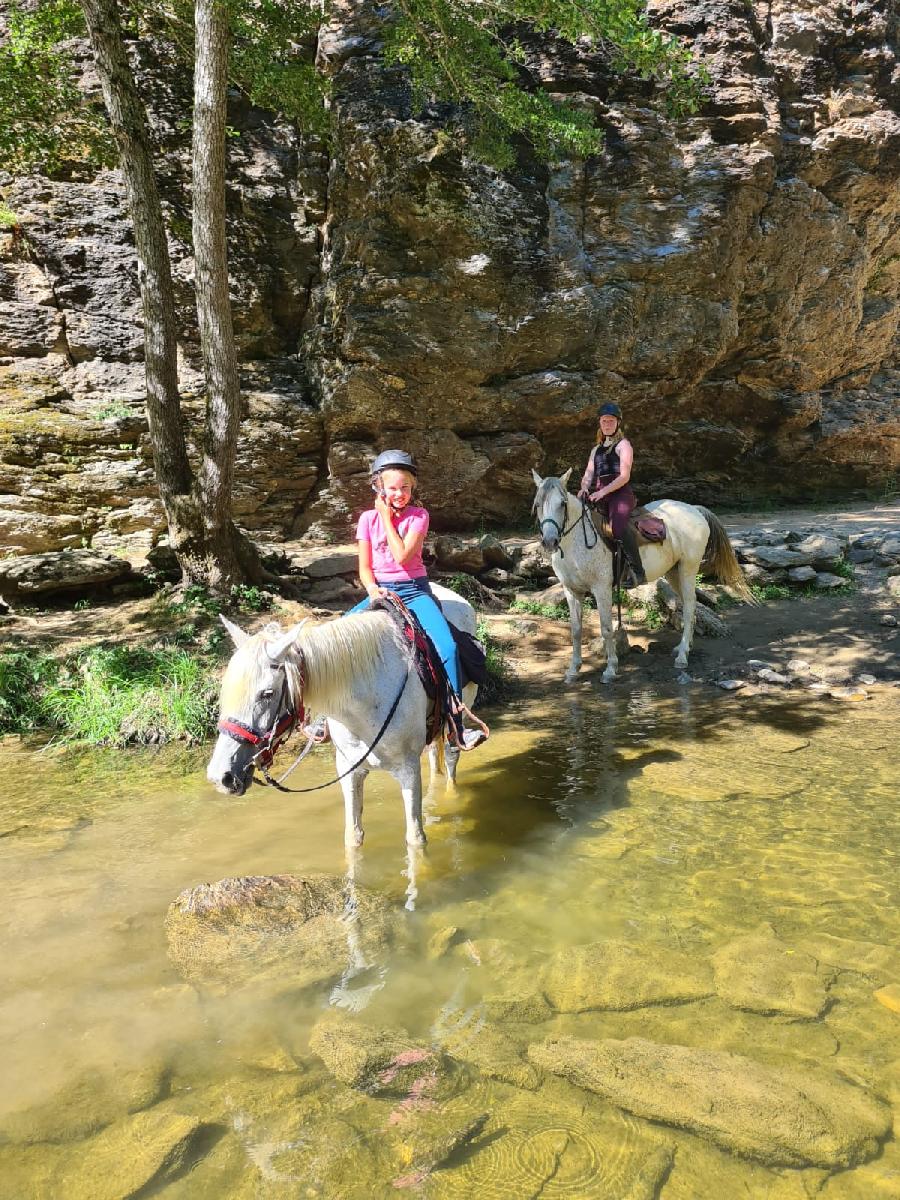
<point x="384" y="565"/>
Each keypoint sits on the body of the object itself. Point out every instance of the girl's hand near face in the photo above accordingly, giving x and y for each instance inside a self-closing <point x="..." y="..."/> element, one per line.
<point x="382" y="507"/>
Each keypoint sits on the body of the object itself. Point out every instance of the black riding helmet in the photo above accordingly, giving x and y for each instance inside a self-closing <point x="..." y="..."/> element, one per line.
<point x="610" y="410"/>
<point x="397" y="460"/>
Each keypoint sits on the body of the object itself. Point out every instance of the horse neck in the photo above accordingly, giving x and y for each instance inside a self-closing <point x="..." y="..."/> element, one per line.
<point x="338" y="659"/>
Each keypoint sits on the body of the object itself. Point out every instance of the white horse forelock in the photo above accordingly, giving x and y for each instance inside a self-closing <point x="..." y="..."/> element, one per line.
<point x="335" y="657"/>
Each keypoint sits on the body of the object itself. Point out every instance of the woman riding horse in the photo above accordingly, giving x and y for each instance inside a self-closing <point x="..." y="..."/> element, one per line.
<point x="605" y="484"/>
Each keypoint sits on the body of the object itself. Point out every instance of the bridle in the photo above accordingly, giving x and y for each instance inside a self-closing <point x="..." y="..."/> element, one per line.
<point x="584" y="519"/>
<point x="284" y="726"/>
<point x="270" y="742"/>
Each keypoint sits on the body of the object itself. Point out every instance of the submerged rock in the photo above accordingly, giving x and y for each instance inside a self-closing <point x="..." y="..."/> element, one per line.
<point x="85" y="1105"/>
<point x="426" y="1140"/>
<point x="781" y="1117"/>
<point x="762" y="974"/>
<point x="617" y="975"/>
<point x="494" y="1054"/>
<point x="889" y="996"/>
<point x="384" y="1061"/>
<point x="277" y="932"/>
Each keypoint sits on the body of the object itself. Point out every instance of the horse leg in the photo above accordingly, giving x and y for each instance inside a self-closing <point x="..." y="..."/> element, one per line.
<point x="574" y="603"/>
<point x="409" y="776"/>
<point x="603" y="599"/>
<point x="687" y="583"/>
<point x="352" y="787"/>
<point x="451" y="761"/>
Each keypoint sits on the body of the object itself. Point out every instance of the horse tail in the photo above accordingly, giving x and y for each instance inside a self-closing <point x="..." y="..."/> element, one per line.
<point x="720" y="560"/>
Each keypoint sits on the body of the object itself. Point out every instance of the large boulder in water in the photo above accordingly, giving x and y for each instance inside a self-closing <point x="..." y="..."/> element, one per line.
<point x="617" y="975"/>
<point x="779" y="1116"/>
<point x="276" y="932"/>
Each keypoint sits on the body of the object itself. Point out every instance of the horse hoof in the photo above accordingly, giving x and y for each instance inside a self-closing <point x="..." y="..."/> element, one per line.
<point x="608" y="676"/>
<point x="354" y="841"/>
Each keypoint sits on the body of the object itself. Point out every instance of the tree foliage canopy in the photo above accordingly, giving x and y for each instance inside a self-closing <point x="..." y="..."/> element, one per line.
<point x="469" y="52"/>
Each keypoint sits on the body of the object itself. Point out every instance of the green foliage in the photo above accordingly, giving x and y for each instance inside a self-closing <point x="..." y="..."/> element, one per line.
<point x="465" y="585"/>
<point x="116" y="695"/>
<point x="497" y="666"/>
<point x="115" y="410"/>
<point x="44" y="119"/>
<point x="845" y="570"/>
<point x="770" y="591"/>
<point x="470" y="54"/>
<point x="23" y="676"/>
<point x="8" y="219"/>
<point x="536" y="608"/>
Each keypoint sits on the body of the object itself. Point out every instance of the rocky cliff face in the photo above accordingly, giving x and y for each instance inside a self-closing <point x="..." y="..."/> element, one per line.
<point x="731" y="279"/>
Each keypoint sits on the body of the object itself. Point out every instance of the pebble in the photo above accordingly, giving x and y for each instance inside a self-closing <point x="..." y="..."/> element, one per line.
<point x="818" y="686"/>
<point x="770" y="676"/>
<point x="798" y="665"/>
<point x="731" y="685"/>
<point x="847" y="693"/>
<point x="868" y="679"/>
<point x="757" y="664"/>
<point x="889" y="996"/>
<point x="889" y="619"/>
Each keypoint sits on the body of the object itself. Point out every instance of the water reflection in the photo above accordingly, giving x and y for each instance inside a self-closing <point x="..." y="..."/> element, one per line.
<point x="658" y="821"/>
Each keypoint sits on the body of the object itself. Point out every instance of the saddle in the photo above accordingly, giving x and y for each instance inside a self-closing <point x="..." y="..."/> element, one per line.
<point x="648" y="528"/>
<point x="444" y="706"/>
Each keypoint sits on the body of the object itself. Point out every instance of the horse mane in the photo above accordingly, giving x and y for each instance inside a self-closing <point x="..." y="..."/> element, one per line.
<point x="342" y="655"/>
<point x="334" y="658"/>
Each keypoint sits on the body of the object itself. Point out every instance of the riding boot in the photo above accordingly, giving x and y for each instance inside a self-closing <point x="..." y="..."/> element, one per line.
<point x="632" y="552"/>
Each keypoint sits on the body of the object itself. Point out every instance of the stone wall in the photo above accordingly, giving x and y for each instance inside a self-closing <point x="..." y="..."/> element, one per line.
<point x="731" y="279"/>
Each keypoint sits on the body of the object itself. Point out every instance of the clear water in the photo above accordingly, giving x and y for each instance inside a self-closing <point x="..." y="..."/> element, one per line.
<point x="667" y="821"/>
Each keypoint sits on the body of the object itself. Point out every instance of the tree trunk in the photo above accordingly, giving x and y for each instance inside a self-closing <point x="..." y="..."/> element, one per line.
<point x="128" y="120"/>
<point x="209" y="548"/>
<point x="223" y="396"/>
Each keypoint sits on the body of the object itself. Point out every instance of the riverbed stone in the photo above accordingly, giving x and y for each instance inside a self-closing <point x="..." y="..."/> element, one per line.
<point x="145" y="1151"/>
<point x="618" y="975"/>
<point x="762" y="974"/>
<point x="386" y="1062"/>
<point x="827" y="582"/>
<point x="423" y="1140"/>
<point x="774" y="557"/>
<point x="273" y="932"/>
<point x="777" y="1116"/>
<point x="801" y="574"/>
<point x="87" y="1103"/>
<point x="493" y="1052"/>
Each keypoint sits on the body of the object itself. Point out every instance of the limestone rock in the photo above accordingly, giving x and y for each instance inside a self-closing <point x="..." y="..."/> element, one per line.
<point x="424" y="1140"/>
<point x="761" y="974"/>
<point x="493" y="1052"/>
<point x="86" y="1104"/>
<point x="277" y="932"/>
<point x="63" y="571"/>
<point x="827" y="582"/>
<point x="383" y="1061"/>
<point x="825" y="550"/>
<point x="617" y="975"/>
<point x="801" y="574"/>
<point x="534" y="562"/>
<point x="778" y="1116"/>
<point x="458" y="554"/>
<point x="770" y="557"/>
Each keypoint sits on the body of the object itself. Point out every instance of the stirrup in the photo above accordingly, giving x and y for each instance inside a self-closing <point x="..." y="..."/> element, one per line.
<point x="318" y="733"/>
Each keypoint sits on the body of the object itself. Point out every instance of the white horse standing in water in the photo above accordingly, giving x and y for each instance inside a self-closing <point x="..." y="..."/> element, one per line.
<point x="583" y="563"/>
<point x="352" y="670"/>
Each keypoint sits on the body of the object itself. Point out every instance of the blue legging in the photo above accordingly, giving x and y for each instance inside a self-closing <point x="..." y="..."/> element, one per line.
<point x="416" y="595"/>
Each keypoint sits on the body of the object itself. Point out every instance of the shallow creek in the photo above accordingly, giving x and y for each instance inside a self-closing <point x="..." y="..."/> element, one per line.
<point x="733" y="863"/>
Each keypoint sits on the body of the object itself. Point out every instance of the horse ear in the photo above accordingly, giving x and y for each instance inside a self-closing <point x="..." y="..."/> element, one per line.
<point x="278" y="649"/>
<point x="537" y="479"/>
<point x="238" y="636"/>
<point x="564" y="479"/>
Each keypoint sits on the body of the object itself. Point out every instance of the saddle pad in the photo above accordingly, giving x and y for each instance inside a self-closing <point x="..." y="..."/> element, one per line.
<point x="650" y="529"/>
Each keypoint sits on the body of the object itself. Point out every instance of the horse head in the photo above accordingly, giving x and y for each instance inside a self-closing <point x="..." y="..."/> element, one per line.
<point x="550" y="504"/>
<point x="259" y="706"/>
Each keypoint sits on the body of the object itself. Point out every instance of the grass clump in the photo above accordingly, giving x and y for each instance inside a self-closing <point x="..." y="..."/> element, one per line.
<point x="24" y="676"/>
<point x="536" y="608"/>
<point x="118" y="695"/>
<point x="497" y="666"/>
